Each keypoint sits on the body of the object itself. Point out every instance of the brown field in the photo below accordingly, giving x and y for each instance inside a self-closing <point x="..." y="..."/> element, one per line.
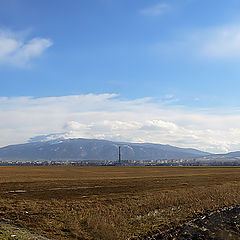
<point x="113" y="203"/>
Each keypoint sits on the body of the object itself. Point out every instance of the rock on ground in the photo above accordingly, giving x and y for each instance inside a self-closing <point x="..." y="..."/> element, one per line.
<point x="221" y="225"/>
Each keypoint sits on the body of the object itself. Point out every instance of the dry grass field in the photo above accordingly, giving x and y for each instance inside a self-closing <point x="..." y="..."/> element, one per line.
<point x="113" y="203"/>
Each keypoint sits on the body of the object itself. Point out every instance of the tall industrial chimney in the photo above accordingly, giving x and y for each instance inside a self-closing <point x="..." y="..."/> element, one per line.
<point x="119" y="154"/>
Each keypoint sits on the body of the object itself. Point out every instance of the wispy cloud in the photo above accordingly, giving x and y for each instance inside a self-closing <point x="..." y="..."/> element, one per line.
<point x="106" y="116"/>
<point x="155" y="10"/>
<point x="19" y="52"/>
<point x="216" y="43"/>
<point x="223" y="42"/>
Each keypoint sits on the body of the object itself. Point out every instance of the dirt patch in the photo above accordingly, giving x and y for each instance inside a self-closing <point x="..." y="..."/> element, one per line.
<point x="221" y="225"/>
<point x="9" y="231"/>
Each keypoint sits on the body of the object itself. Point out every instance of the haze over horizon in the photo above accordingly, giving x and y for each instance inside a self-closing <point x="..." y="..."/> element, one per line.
<point x="136" y="71"/>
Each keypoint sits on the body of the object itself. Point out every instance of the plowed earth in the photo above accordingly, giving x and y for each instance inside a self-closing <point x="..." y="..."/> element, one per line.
<point x="113" y="203"/>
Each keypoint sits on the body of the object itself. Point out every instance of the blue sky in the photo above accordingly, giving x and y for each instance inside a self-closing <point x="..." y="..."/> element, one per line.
<point x="179" y="56"/>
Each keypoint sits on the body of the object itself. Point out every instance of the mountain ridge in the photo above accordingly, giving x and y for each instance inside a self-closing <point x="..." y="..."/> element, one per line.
<point x="94" y="149"/>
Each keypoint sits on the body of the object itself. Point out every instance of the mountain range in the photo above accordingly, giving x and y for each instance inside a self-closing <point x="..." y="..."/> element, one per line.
<point x="93" y="149"/>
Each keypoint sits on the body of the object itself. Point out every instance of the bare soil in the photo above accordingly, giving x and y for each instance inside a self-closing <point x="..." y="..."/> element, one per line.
<point x="9" y="230"/>
<point x="221" y="225"/>
<point x="113" y="203"/>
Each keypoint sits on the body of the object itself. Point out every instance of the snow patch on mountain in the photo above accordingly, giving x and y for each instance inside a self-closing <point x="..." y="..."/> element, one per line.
<point x="50" y="137"/>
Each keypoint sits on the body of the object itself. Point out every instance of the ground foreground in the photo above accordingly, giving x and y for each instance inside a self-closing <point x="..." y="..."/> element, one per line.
<point x="220" y="225"/>
<point x="113" y="202"/>
<point x="10" y="231"/>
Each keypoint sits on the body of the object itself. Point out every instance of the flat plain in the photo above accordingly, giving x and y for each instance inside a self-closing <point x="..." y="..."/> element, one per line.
<point x="113" y="203"/>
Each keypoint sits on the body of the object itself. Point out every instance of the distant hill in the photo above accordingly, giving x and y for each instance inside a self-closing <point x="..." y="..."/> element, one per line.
<point x="230" y="154"/>
<point x="93" y="149"/>
<point x="227" y="157"/>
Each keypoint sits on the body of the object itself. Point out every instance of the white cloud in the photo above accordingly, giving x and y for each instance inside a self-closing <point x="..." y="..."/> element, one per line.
<point x="106" y="116"/>
<point x="155" y="10"/>
<point x="18" y="52"/>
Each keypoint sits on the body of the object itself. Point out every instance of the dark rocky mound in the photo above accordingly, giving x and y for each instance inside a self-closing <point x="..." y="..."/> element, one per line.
<point x="220" y="225"/>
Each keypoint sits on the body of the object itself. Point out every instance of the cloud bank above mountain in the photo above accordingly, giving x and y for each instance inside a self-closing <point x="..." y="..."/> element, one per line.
<point x="107" y="116"/>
